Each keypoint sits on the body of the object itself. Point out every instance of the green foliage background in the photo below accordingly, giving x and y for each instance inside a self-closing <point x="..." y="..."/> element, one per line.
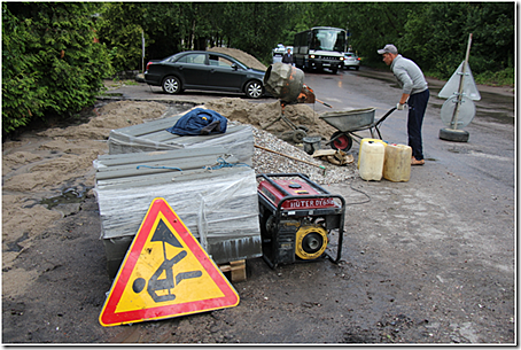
<point x="50" y="62"/>
<point x="38" y="79"/>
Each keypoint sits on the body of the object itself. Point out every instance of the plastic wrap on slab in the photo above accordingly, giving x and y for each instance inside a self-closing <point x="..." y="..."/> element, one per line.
<point x="152" y="136"/>
<point x="220" y="208"/>
<point x="138" y="165"/>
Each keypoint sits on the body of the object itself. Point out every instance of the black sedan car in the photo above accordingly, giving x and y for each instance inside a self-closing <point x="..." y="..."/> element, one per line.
<point x="204" y="70"/>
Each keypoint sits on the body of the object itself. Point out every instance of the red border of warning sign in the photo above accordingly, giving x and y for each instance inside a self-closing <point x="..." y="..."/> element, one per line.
<point x="109" y="317"/>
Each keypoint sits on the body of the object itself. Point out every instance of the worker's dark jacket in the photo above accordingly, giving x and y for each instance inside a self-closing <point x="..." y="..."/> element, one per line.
<point x="287" y="58"/>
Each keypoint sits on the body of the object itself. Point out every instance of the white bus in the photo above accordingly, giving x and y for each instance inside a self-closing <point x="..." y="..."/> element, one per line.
<point x="319" y="48"/>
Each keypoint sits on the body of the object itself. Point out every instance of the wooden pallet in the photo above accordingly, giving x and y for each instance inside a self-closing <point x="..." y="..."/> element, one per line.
<point x="237" y="270"/>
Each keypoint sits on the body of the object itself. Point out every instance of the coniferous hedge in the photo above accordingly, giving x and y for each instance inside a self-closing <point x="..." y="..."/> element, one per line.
<point x="51" y="61"/>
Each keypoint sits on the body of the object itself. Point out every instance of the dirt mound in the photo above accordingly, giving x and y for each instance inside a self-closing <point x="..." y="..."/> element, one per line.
<point x="264" y="116"/>
<point x="45" y="164"/>
<point x="242" y="56"/>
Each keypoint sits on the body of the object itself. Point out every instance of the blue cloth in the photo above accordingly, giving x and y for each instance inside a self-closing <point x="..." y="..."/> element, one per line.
<point x="200" y="122"/>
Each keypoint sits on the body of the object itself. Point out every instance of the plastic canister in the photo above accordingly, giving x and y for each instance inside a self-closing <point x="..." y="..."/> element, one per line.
<point x="397" y="163"/>
<point x="371" y="159"/>
<point x="363" y="142"/>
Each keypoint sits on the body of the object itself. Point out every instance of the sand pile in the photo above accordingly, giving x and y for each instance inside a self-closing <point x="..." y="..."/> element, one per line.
<point x="261" y="115"/>
<point x="241" y="56"/>
<point x="45" y="164"/>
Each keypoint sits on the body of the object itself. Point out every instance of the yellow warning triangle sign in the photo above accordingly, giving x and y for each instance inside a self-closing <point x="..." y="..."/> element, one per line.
<point x="165" y="273"/>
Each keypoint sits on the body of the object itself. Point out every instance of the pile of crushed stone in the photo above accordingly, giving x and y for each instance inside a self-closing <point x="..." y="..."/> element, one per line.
<point x="265" y="162"/>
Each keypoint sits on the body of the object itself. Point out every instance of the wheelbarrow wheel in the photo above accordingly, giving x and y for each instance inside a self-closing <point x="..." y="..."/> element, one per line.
<point x="342" y="141"/>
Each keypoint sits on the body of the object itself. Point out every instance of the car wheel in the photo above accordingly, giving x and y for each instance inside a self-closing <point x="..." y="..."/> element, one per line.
<point x="254" y="89"/>
<point x="357" y="68"/>
<point x="171" y="85"/>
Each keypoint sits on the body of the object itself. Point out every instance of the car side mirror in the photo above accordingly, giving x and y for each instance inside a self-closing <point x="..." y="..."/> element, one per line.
<point x="234" y="66"/>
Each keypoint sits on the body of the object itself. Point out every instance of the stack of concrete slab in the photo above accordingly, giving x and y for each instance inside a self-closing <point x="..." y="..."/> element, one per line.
<point x="152" y="136"/>
<point x="211" y="188"/>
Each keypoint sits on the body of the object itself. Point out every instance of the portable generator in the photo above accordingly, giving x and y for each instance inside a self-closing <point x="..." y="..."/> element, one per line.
<point x="296" y="219"/>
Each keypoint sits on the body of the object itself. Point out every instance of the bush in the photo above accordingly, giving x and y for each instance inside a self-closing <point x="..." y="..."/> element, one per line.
<point x="501" y="78"/>
<point x="50" y="61"/>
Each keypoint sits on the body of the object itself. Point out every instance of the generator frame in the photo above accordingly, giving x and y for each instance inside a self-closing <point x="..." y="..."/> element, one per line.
<point x="333" y="216"/>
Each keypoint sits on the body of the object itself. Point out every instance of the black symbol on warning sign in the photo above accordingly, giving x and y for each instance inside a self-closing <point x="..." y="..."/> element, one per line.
<point x="155" y="284"/>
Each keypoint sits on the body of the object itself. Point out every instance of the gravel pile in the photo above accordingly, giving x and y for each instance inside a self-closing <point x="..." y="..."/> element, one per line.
<point x="267" y="162"/>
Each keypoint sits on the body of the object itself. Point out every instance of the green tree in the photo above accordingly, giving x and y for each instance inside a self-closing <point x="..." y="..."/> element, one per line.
<point x="254" y="27"/>
<point x="161" y="22"/>
<point x="438" y="34"/>
<point x="50" y="61"/>
<point x="374" y="25"/>
<point x="121" y="30"/>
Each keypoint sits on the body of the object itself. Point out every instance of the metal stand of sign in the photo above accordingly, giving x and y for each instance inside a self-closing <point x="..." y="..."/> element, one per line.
<point x="459" y="110"/>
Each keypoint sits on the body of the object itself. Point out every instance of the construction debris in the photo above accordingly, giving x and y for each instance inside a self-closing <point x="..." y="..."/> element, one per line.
<point x="337" y="157"/>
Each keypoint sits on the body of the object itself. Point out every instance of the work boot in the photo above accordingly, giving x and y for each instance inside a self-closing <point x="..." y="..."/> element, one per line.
<point x="415" y="161"/>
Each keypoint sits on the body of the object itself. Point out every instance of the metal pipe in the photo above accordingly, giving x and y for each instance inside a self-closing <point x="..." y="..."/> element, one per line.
<point x="454" y="121"/>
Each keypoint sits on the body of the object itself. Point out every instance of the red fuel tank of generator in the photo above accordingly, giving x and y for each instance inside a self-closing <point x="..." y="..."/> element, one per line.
<point x="295" y="188"/>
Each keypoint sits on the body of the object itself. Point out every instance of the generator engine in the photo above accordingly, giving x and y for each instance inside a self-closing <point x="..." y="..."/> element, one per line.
<point x="296" y="219"/>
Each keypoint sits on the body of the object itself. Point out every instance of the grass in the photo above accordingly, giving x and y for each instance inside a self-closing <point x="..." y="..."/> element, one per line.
<point x="124" y="82"/>
<point x="505" y="77"/>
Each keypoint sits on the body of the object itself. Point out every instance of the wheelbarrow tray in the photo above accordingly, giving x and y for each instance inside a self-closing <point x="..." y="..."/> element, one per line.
<point x="353" y="120"/>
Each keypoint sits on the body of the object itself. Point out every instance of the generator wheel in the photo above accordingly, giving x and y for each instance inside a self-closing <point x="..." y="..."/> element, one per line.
<point x="311" y="242"/>
<point x="344" y="142"/>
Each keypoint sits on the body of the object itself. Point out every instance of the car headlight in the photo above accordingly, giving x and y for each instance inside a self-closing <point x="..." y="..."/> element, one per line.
<point x="311" y="56"/>
<point x="341" y="58"/>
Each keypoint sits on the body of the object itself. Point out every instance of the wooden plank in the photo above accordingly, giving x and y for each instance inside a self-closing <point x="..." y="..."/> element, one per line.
<point x="237" y="269"/>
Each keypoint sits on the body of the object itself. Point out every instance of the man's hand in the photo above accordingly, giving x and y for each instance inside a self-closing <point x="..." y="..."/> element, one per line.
<point x="400" y="106"/>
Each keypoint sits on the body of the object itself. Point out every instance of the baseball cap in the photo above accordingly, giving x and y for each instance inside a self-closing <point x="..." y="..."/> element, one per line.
<point x="388" y="49"/>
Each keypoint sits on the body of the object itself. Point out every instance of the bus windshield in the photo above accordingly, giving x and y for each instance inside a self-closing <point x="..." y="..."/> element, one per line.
<point x="327" y="39"/>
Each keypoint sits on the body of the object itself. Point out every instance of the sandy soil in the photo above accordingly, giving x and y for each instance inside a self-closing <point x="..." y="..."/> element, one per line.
<point x="47" y="164"/>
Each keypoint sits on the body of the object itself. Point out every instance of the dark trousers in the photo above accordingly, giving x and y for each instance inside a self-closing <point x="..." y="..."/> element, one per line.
<point x="417" y="106"/>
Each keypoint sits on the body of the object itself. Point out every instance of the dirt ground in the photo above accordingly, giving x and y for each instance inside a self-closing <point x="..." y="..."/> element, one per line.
<point x="412" y="271"/>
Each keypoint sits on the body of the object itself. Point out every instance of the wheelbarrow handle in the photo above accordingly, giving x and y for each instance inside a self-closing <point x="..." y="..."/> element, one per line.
<point x="381" y="120"/>
<point x="325" y="104"/>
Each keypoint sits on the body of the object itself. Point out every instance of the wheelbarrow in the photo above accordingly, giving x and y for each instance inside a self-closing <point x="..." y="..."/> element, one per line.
<point x="349" y="122"/>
